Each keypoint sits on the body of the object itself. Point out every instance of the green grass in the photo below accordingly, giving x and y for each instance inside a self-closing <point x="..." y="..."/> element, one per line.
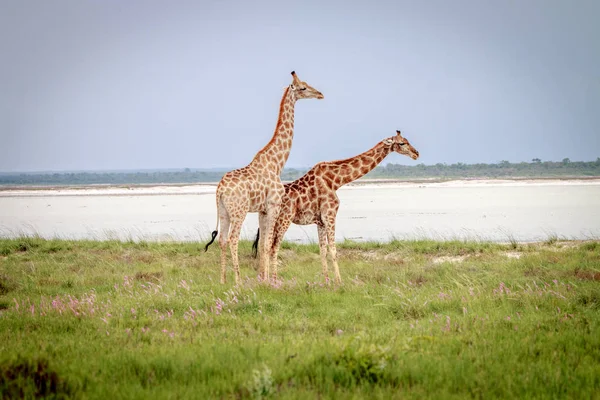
<point x="413" y="319"/>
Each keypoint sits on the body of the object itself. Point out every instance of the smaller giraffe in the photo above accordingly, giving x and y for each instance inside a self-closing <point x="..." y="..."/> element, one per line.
<point x="312" y="198"/>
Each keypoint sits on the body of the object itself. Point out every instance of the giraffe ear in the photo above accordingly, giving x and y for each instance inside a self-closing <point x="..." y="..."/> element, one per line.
<point x="388" y="141"/>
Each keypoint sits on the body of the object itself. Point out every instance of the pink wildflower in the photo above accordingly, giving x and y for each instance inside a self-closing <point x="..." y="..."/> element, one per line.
<point x="502" y="289"/>
<point x="218" y="306"/>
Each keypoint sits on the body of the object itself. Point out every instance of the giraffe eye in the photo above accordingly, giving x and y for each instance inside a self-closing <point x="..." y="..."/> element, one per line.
<point x="303" y="88"/>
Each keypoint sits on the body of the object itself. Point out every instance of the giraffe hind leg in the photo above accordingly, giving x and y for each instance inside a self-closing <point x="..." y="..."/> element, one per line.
<point x="223" y="238"/>
<point x="237" y="209"/>
<point x="234" y="238"/>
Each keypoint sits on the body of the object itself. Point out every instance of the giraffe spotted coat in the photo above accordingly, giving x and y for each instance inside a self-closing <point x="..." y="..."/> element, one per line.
<point x="258" y="187"/>
<point x="312" y="199"/>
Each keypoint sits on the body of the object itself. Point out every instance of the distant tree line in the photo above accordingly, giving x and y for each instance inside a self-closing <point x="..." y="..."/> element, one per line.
<point x="503" y="169"/>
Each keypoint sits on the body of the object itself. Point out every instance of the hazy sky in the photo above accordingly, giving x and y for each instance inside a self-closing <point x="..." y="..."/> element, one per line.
<point x="89" y="85"/>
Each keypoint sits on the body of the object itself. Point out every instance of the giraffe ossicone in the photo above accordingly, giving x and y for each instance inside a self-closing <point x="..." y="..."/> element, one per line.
<point x="257" y="187"/>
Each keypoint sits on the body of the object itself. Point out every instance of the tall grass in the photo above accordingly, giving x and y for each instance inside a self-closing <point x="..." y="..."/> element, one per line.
<point x="413" y="319"/>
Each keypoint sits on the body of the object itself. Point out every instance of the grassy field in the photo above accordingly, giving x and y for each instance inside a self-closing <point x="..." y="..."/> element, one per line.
<point x="412" y="320"/>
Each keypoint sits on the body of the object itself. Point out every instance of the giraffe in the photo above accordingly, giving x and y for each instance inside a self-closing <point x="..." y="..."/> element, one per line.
<point x="257" y="187"/>
<point x="312" y="198"/>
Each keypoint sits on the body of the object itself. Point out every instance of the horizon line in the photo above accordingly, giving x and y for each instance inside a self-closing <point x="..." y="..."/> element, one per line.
<point x="219" y="169"/>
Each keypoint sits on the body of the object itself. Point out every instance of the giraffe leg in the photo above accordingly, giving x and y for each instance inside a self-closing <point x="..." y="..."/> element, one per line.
<point x="262" y="226"/>
<point x="323" y="249"/>
<point x="281" y="227"/>
<point x="272" y="213"/>
<point x="332" y="249"/>
<point x="234" y="237"/>
<point x="224" y="221"/>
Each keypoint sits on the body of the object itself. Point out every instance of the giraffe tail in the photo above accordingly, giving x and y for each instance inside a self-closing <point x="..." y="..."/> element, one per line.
<point x="216" y="231"/>
<point x="255" y="244"/>
<point x="214" y="235"/>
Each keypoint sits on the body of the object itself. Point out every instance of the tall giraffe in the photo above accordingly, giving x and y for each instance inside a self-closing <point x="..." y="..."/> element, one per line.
<point x="312" y="198"/>
<point x="257" y="187"/>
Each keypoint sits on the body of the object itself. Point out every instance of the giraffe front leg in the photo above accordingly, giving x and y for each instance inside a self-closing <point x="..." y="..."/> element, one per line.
<point x="272" y="213"/>
<point x="262" y="230"/>
<point x="332" y="249"/>
<point x="281" y="227"/>
<point x="234" y="238"/>
<point x="323" y="250"/>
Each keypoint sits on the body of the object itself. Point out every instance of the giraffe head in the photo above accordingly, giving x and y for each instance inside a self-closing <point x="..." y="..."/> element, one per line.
<point x="302" y="90"/>
<point x="400" y="145"/>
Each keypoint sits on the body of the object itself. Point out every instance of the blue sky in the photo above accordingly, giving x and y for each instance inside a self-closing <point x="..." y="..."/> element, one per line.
<point x="92" y="85"/>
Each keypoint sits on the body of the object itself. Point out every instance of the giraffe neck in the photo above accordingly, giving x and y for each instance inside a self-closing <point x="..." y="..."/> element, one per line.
<point x="275" y="154"/>
<point x="353" y="168"/>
